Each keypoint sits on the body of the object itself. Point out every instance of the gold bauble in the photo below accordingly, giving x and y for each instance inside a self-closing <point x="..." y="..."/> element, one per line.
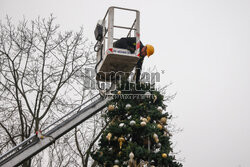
<point x="109" y="135"/>
<point x="119" y="92"/>
<point x="164" y="155"/>
<point x="159" y="126"/>
<point x="144" y="120"/>
<point x="121" y="140"/>
<point x="120" y="153"/>
<point x="111" y="107"/>
<point x="115" y="166"/>
<point x="155" y="136"/>
<point x="156" y="140"/>
<point x="148" y="118"/>
<point x="163" y="120"/>
<point x="155" y="98"/>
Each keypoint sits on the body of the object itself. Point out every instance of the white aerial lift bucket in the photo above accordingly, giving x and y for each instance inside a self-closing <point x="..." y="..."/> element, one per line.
<point x="115" y="62"/>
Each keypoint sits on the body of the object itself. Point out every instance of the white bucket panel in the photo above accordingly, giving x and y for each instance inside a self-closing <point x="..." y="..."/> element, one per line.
<point x="118" y="61"/>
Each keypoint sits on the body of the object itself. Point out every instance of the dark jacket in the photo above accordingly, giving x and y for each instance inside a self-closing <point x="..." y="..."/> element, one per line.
<point x="130" y="44"/>
<point x="127" y="43"/>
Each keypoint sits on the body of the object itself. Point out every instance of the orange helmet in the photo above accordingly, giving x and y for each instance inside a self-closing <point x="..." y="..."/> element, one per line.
<point x="150" y="50"/>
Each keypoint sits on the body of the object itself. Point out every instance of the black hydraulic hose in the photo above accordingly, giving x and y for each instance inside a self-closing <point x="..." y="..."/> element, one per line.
<point x="99" y="60"/>
<point x="98" y="64"/>
<point x="97" y="47"/>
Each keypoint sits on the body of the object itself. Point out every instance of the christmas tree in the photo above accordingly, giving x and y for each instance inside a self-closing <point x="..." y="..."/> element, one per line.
<point x="137" y="133"/>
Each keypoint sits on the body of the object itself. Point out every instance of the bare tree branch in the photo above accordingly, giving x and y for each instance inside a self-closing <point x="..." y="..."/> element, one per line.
<point x="40" y="81"/>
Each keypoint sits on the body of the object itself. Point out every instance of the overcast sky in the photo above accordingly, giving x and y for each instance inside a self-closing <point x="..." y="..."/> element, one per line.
<point x="203" y="47"/>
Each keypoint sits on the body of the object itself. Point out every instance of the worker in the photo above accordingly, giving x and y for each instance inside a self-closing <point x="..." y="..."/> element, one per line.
<point x="130" y="44"/>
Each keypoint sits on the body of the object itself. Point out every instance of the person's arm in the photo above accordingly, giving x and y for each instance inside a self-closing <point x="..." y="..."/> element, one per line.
<point x="131" y="44"/>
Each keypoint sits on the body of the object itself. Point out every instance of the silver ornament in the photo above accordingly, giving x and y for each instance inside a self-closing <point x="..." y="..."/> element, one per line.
<point x="159" y="109"/>
<point x="128" y="106"/>
<point x="121" y="125"/>
<point x="132" y="122"/>
<point x="147" y="94"/>
<point x="158" y="145"/>
<point x="116" y="161"/>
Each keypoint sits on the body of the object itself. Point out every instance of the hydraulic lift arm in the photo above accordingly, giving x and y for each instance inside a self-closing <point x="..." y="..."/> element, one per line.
<point x="34" y="144"/>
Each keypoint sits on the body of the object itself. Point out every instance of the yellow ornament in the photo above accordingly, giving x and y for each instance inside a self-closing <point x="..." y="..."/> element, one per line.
<point x="111" y="107"/>
<point x="115" y="166"/>
<point x="159" y="126"/>
<point x="119" y="92"/>
<point x="155" y="136"/>
<point x="148" y="118"/>
<point x="163" y="120"/>
<point x="155" y="98"/>
<point x="120" y="153"/>
<point x="121" y="140"/>
<point x="164" y="155"/>
<point x="109" y="135"/>
<point x="144" y="120"/>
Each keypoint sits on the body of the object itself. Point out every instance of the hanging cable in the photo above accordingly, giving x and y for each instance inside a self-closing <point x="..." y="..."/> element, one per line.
<point x="100" y="47"/>
<point x="97" y="46"/>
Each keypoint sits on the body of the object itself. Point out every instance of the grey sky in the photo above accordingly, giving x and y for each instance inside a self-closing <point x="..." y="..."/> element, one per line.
<point x="203" y="46"/>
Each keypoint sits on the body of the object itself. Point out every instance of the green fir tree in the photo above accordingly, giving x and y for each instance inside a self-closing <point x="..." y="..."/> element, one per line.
<point x="137" y="133"/>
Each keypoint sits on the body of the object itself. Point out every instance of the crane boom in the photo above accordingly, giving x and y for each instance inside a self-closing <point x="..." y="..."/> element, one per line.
<point x="33" y="145"/>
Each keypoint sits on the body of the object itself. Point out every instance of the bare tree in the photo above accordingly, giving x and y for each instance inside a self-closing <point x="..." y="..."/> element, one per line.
<point x="75" y="147"/>
<point x="41" y="77"/>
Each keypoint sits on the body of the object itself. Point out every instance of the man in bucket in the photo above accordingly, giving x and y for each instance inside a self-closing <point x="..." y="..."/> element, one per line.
<point x="130" y="44"/>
